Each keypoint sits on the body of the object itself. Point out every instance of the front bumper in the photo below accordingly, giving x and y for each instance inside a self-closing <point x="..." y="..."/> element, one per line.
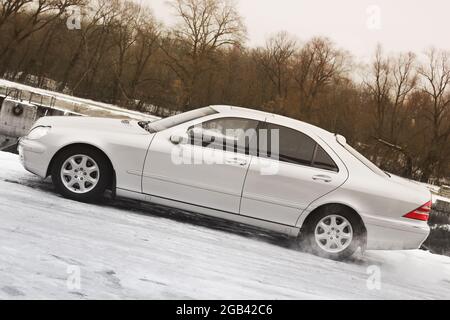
<point x="34" y="156"/>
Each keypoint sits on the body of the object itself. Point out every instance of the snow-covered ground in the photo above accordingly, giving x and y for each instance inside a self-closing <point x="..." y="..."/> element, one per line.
<point x="130" y="251"/>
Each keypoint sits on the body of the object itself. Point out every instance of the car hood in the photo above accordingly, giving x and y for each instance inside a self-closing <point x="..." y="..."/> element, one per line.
<point x="98" y="124"/>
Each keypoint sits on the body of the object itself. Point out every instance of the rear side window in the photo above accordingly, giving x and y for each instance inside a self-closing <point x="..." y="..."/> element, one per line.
<point x="292" y="146"/>
<point x="289" y="145"/>
<point x="323" y="161"/>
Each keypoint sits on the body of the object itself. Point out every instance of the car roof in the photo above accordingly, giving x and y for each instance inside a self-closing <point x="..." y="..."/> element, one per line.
<point x="274" y="118"/>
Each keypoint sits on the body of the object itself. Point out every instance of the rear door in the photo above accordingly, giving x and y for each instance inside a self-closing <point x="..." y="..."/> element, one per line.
<point x="286" y="177"/>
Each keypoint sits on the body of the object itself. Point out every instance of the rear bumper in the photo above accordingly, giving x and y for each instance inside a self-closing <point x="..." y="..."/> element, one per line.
<point x="401" y="235"/>
<point x="34" y="157"/>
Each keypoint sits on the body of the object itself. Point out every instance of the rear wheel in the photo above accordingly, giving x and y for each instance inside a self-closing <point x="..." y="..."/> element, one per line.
<point x="81" y="173"/>
<point x="333" y="233"/>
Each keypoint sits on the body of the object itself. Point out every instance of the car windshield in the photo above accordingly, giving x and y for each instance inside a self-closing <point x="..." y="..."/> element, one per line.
<point x="364" y="160"/>
<point x="176" y="120"/>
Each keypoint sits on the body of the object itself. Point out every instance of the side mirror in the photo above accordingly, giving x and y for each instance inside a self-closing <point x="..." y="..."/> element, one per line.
<point x="179" y="138"/>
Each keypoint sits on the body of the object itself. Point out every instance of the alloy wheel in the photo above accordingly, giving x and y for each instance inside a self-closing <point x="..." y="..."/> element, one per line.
<point x="333" y="234"/>
<point x="80" y="174"/>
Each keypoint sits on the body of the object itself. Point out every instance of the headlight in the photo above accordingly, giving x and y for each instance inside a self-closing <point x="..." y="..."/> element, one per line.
<point x="38" y="133"/>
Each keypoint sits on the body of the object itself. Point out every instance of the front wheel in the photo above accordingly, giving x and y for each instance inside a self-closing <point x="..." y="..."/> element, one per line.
<point x="334" y="233"/>
<point x="81" y="173"/>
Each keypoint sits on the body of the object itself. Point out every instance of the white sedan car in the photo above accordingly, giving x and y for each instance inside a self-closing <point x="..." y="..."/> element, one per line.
<point x="243" y="165"/>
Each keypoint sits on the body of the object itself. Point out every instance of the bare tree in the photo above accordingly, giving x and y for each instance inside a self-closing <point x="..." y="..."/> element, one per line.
<point x="436" y="82"/>
<point x="97" y="10"/>
<point x="379" y="86"/>
<point x="99" y="45"/>
<point x="41" y="13"/>
<point x="10" y="8"/>
<point x="124" y="39"/>
<point x="204" y="27"/>
<point x="317" y="64"/>
<point x="147" y="36"/>
<point x="276" y="61"/>
<point x="405" y="80"/>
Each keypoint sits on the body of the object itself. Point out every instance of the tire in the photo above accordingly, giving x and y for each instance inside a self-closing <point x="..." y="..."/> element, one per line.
<point x="81" y="173"/>
<point x="327" y="228"/>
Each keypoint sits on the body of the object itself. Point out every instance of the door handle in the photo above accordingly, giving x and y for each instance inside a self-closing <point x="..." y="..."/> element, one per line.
<point x="237" y="161"/>
<point x="323" y="178"/>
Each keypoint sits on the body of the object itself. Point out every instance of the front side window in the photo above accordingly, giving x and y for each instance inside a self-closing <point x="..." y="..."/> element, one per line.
<point x="228" y="134"/>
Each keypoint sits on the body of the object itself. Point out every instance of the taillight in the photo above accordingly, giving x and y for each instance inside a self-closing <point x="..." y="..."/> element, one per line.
<point x="422" y="213"/>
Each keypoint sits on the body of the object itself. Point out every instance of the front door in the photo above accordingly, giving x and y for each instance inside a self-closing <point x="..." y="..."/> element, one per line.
<point x="203" y="170"/>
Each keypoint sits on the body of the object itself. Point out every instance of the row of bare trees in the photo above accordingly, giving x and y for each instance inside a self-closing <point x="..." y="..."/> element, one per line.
<point x="394" y="108"/>
<point x="410" y="99"/>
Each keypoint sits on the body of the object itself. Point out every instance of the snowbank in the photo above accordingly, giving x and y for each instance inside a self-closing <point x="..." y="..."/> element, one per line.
<point x="84" y="103"/>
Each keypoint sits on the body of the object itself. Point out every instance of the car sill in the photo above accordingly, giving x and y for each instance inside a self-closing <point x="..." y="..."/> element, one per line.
<point x="284" y="229"/>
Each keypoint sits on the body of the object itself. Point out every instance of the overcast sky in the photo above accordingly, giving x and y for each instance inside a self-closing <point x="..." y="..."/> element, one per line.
<point x="355" y="25"/>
